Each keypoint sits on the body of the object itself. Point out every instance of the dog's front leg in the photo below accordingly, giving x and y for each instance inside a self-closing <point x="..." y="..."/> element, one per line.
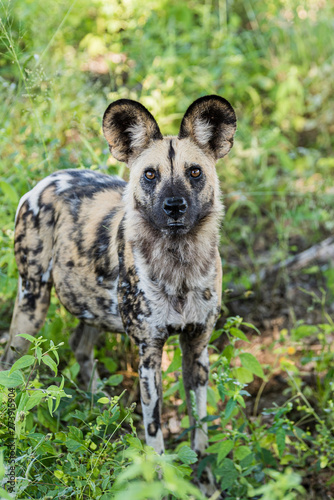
<point x="195" y="368"/>
<point x="150" y="353"/>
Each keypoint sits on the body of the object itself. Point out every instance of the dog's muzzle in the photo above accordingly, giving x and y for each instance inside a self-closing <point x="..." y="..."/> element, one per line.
<point x="175" y="207"/>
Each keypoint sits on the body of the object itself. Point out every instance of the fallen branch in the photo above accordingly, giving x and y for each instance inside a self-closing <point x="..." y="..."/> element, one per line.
<point x="322" y="251"/>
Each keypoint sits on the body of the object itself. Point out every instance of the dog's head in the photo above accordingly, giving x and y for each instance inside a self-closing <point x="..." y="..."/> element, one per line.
<point x="173" y="182"/>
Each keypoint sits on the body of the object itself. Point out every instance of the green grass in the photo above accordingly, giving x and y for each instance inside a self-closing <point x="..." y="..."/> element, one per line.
<point x="274" y="62"/>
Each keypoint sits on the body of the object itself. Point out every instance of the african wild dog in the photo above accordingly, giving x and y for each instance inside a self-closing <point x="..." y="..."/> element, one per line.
<point x="139" y="257"/>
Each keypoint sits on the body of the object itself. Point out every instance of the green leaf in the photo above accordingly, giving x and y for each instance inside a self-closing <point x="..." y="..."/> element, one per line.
<point x="246" y="462"/>
<point x="12" y="380"/>
<point x="187" y="455"/>
<point x="50" y="404"/>
<point x="228" y="473"/>
<point x="39" y="354"/>
<point x="73" y="445"/>
<point x="303" y="331"/>
<point x="103" y="401"/>
<point x="44" y="418"/>
<point x="115" y="380"/>
<point x="48" y="361"/>
<point x="56" y="355"/>
<point x="176" y="363"/>
<point x="228" y="352"/>
<point x="110" y="364"/>
<point x="243" y="375"/>
<point x="229" y="408"/>
<point x="209" y="418"/>
<point x="215" y="335"/>
<point x="34" y="399"/>
<point x="280" y="441"/>
<point x="10" y="192"/>
<point x="212" y="397"/>
<point x="115" y="416"/>
<point x="75" y="433"/>
<point x="74" y="370"/>
<point x="134" y="442"/>
<point x="107" y="496"/>
<point x="72" y="462"/>
<point x="22" y="363"/>
<point x="58" y="397"/>
<point x="214" y="448"/>
<point x="240" y="400"/>
<point x="80" y="415"/>
<point x="241" y="452"/>
<point x="59" y="474"/>
<point x="217" y="437"/>
<point x="221" y="391"/>
<point x="6" y="496"/>
<point x="27" y="336"/>
<point x="23" y="399"/>
<point x="173" y="388"/>
<point x="225" y="448"/>
<point x="251" y="363"/>
<point x="266" y="457"/>
<point x="236" y="332"/>
<point x="251" y="326"/>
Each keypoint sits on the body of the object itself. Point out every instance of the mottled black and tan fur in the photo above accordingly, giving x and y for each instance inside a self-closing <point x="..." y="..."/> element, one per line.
<point x="139" y="257"/>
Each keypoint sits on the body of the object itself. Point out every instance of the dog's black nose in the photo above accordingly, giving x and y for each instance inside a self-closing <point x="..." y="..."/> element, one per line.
<point x="175" y="207"/>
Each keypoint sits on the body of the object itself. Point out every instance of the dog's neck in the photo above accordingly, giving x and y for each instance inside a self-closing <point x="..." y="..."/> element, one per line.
<point x="178" y="263"/>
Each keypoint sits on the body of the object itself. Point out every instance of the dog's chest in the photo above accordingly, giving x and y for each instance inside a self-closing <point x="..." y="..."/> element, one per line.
<point x="180" y="310"/>
<point x="168" y="306"/>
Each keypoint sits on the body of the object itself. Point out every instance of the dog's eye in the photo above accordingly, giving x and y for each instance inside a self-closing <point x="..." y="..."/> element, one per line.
<point x="195" y="172"/>
<point x="150" y="175"/>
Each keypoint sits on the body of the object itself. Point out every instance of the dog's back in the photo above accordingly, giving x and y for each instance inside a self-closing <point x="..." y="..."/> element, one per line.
<point x="65" y="235"/>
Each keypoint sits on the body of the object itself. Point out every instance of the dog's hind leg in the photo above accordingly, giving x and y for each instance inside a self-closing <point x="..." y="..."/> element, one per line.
<point x="82" y="343"/>
<point x="31" y="306"/>
<point x="34" y="258"/>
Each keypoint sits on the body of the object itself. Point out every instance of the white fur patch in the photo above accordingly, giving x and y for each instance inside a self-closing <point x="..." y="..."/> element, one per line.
<point x="22" y="291"/>
<point x="46" y="275"/>
<point x="86" y="315"/>
<point x="202" y="131"/>
<point x="201" y="438"/>
<point x="34" y="194"/>
<point x="148" y="374"/>
<point x="63" y="182"/>
<point x="113" y="309"/>
<point x="138" y="135"/>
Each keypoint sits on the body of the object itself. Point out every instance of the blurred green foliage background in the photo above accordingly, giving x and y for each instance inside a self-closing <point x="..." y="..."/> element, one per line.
<point x="63" y="62"/>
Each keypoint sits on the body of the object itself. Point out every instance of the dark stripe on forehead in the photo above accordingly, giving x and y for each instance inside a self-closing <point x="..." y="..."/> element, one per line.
<point x="171" y="156"/>
<point x="171" y="152"/>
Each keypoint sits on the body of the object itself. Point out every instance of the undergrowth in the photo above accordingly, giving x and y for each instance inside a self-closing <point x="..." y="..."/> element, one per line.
<point x="61" y="63"/>
<point x="75" y="444"/>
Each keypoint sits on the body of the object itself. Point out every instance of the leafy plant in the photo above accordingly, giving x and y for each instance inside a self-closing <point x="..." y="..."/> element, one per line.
<point x="60" y="65"/>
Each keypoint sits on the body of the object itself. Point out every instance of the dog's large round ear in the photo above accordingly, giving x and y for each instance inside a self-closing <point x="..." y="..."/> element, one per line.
<point x="210" y="122"/>
<point x="129" y="128"/>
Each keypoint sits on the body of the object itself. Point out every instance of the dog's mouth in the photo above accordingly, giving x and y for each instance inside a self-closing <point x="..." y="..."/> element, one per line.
<point x="178" y="222"/>
<point x="176" y="225"/>
<point x="176" y="228"/>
